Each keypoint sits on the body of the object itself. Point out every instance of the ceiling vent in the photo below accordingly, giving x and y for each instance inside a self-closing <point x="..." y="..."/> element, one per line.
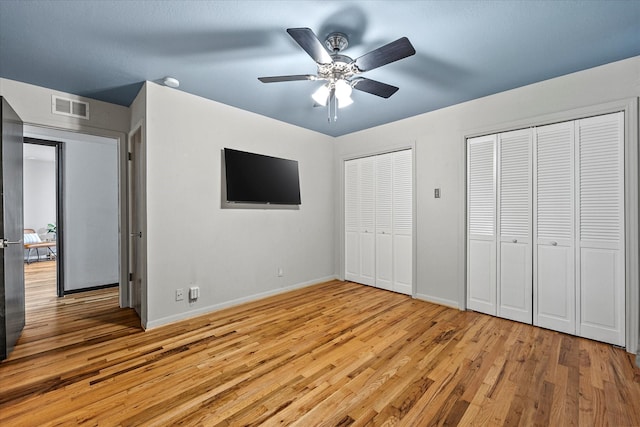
<point x="69" y="107"/>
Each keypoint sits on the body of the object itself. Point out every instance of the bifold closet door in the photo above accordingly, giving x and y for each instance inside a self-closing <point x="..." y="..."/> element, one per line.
<point x="514" y="223"/>
<point x="554" y="211"/>
<point x="378" y="203"/>
<point x="367" y="232"/>
<point x="402" y="188"/>
<point x="481" y="224"/>
<point x="384" y="221"/>
<point x="352" y="220"/>
<point x="600" y="218"/>
<point x="359" y="202"/>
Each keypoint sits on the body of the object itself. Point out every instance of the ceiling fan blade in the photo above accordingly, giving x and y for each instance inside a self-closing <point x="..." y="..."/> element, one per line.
<point x="386" y="54"/>
<point x="293" y="78"/>
<point x="374" y="87"/>
<point x="310" y="43"/>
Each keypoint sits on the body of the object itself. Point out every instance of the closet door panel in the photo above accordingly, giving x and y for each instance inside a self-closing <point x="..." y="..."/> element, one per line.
<point x="384" y="261"/>
<point x="600" y="216"/>
<point x="367" y="259"/>
<point x="556" y="300"/>
<point x="481" y="224"/>
<point x="600" y="295"/>
<point x="352" y="256"/>
<point x="367" y="221"/>
<point x="516" y="294"/>
<point x="403" y="264"/>
<point x="351" y="220"/>
<point x="515" y="291"/>
<point x="402" y="189"/>
<point x="554" y="257"/>
<point x="384" y="221"/>
<point x="482" y="279"/>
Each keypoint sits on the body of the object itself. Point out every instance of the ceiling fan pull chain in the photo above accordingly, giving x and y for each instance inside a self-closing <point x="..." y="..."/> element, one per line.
<point x="335" y="108"/>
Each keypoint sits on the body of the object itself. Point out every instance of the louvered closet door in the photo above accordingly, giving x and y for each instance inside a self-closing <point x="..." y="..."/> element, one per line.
<point x="600" y="216"/>
<point x="384" y="218"/>
<point x="481" y="224"/>
<point x="403" y="221"/>
<point x="367" y="186"/>
<point x="515" y="293"/>
<point x="352" y="220"/>
<point x="554" y="286"/>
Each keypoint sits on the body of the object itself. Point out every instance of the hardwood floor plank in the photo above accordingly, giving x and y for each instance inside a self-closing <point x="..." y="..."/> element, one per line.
<point x="332" y="354"/>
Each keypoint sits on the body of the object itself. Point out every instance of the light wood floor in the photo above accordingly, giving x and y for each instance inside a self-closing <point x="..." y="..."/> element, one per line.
<point x="331" y="354"/>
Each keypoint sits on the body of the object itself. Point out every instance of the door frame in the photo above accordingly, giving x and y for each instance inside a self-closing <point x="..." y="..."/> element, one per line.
<point x="57" y="145"/>
<point x="121" y="143"/>
<point x="629" y="107"/>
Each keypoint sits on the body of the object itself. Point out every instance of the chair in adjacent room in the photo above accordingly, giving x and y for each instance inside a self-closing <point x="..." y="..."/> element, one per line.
<point x="32" y="241"/>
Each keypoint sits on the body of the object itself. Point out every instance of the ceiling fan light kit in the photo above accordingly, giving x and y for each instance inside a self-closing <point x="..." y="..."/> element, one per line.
<point x="339" y="70"/>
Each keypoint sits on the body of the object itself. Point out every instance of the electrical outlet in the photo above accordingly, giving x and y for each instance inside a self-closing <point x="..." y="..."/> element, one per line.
<point x="280" y="272"/>
<point x="179" y="294"/>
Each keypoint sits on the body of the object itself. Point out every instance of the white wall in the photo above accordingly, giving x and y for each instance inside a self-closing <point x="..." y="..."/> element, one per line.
<point x="39" y="193"/>
<point x="33" y="105"/>
<point x="90" y="213"/>
<point x="440" y="161"/>
<point x="232" y="254"/>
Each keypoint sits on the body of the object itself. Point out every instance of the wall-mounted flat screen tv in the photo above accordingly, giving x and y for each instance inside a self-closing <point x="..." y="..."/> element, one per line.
<point x="255" y="178"/>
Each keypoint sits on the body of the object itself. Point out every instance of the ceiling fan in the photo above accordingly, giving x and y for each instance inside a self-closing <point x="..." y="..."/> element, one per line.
<point x="340" y="71"/>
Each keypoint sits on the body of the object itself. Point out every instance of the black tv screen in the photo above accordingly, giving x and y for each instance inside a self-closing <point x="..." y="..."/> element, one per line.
<point x="255" y="178"/>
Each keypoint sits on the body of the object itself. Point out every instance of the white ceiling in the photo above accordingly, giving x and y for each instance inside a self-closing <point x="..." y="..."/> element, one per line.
<point x="217" y="49"/>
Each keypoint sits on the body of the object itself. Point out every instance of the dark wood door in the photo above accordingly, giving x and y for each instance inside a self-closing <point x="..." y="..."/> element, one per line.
<point x="11" y="231"/>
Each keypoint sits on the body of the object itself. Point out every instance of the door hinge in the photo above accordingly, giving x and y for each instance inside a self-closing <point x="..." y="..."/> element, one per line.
<point x="131" y="277"/>
<point x="130" y="156"/>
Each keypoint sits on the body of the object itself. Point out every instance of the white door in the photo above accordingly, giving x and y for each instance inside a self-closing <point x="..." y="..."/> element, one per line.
<point x="515" y="291"/>
<point x="136" y="208"/>
<point x="481" y="224"/>
<point x="554" y="259"/>
<point x="402" y="188"/>
<point x="600" y="217"/>
<point x="384" y="217"/>
<point x="359" y="202"/>
<point x="367" y="221"/>
<point x="378" y="193"/>
<point x="352" y="220"/>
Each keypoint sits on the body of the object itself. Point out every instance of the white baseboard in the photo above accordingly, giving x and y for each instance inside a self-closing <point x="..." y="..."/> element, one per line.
<point x="440" y="301"/>
<point x="226" y="304"/>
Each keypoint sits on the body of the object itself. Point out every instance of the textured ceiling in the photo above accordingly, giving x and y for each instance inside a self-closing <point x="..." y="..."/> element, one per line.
<point x="217" y="49"/>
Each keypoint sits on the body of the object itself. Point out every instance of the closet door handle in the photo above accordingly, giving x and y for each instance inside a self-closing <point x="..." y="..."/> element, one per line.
<point x="554" y="243"/>
<point x="514" y="241"/>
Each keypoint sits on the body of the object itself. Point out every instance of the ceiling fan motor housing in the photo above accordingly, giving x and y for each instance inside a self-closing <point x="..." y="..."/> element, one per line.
<point x="336" y="42"/>
<point x="341" y="68"/>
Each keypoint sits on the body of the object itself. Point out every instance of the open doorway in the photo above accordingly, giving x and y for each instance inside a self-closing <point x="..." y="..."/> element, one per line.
<point x="43" y="253"/>
<point x="87" y="225"/>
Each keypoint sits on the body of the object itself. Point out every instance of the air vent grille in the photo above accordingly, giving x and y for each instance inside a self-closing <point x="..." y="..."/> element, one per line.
<point x="69" y="107"/>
